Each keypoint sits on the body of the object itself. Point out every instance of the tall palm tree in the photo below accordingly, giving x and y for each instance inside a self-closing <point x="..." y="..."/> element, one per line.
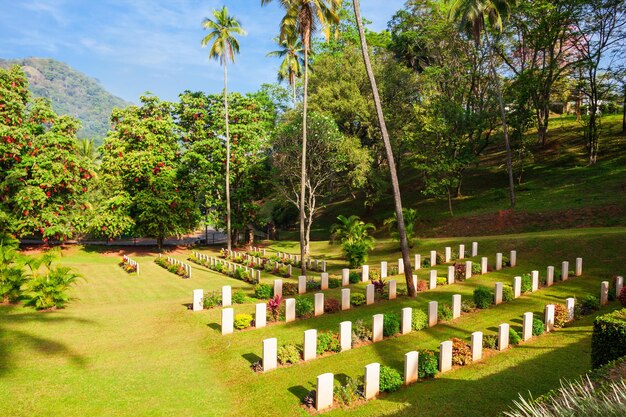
<point x="223" y="29"/>
<point x="404" y="245"/>
<point x="292" y="52"/>
<point x="87" y="149"/>
<point x="303" y="18"/>
<point x="472" y="15"/>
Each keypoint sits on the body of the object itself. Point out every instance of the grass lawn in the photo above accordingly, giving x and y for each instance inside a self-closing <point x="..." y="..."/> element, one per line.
<point x="127" y="345"/>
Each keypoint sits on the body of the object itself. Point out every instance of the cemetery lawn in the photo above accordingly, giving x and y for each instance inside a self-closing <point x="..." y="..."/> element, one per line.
<point x="127" y="345"/>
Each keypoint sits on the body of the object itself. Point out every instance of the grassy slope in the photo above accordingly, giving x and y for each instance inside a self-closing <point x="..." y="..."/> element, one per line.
<point x="128" y="346"/>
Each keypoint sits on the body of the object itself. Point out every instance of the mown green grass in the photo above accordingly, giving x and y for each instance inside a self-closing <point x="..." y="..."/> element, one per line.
<point x="128" y="346"/>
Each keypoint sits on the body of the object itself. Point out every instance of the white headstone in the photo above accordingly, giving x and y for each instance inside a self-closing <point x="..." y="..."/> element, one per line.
<point x="365" y="273"/>
<point x="579" y="266"/>
<point x="414" y="278"/>
<point x="400" y="266"/>
<point x="310" y="345"/>
<point x="260" y="315"/>
<point x="383" y="269"/>
<point x="407" y="318"/>
<point x="468" y="269"/>
<point x="483" y="265"/>
<point x="198" y="300"/>
<point x="570" y="303"/>
<point x="345" y="299"/>
<point x="302" y="284"/>
<point x="433" y="279"/>
<point x="550" y="276"/>
<point x="324" y="283"/>
<point x="535" y="280"/>
<point x="345" y="335"/>
<point x="369" y="294"/>
<point x="410" y="367"/>
<point x="448" y="254"/>
<point x="445" y="356"/>
<point x="456" y="306"/>
<point x="319" y="304"/>
<point x="433" y="310"/>
<point x="372" y="380"/>
<point x="278" y="287"/>
<point x="503" y="336"/>
<point x="433" y="258"/>
<point x="564" y="270"/>
<point x="450" y="275"/>
<point x="270" y="352"/>
<point x="517" y="287"/>
<point x="323" y="266"/>
<point x="477" y="346"/>
<point x="377" y="328"/>
<point x="498" y="261"/>
<point x="604" y="293"/>
<point x="290" y="309"/>
<point x="461" y="251"/>
<point x="474" y="249"/>
<point x="258" y="276"/>
<point x="289" y="270"/>
<point x="418" y="262"/>
<point x="345" y="277"/>
<point x="497" y="299"/>
<point x="226" y="296"/>
<point x="549" y="317"/>
<point x="392" y="289"/>
<point x="228" y="317"/>
<point x="513" y="258"/>
<point x="619" y="284"/>
<point x="527" y="326"/>
<point x="324" y="391"/>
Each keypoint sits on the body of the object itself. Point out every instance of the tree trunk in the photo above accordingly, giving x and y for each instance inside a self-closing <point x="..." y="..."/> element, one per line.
<point x="408" y="273"/>
<point x="303" y="168"/>
<point x="624" y="113"/>
<point x="228" y="235"/>
<point x="450" y="201"/>
<point x="505" y="131"/>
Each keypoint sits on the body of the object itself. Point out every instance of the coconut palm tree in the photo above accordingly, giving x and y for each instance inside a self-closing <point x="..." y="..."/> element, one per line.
<point x="303" y="18"/>
<point x="353" y="235"/>
<point x="404" y="245"/>
<point x="472" y="16"/>
<point x="292" y="52"/>
<point x="222" y="30"/>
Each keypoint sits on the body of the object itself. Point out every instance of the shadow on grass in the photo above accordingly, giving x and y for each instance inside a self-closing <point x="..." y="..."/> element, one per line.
<point x="251" y="357"/>
<point x="300" y="391"/>
<point x="215" y="326"/>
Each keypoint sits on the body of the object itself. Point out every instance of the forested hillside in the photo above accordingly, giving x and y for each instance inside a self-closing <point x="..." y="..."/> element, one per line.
<point x="71" y="92"/>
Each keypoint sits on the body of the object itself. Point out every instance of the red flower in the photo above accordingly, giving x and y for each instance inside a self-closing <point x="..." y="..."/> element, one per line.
<point x="48" y="194"/>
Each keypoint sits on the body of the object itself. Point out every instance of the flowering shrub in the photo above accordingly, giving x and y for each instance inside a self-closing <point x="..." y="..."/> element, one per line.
<point x="273" y="307"/>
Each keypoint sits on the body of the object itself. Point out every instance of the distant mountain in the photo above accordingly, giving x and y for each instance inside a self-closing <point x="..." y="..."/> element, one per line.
<point x="71" y="92"/>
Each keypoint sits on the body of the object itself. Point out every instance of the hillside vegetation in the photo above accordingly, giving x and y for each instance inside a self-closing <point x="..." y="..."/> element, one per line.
<point x="71" y="92"/>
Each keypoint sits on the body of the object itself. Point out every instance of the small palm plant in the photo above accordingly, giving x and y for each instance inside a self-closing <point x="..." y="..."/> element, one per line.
<point x="410" y="219"/>
<point x="49" y="290"/>
<point x="353" y="235"/>
<point x="12" y="277"/>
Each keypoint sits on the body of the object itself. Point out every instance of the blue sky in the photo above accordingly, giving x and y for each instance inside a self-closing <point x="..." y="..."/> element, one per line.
<point x="135" y="46"/>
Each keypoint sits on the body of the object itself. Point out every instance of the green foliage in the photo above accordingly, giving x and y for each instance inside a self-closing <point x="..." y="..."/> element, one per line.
<point x="527" y="283"/>
<point x="354" y="277"/>
<point x="507" y="293"/>
<point x="390" y="379"/>
<point x="328" y="342"/>
<point x="607" y="341"/>
<point x="538" y="327"/>
<point x="357" y="299"/>
<point x="12" y="276"/>
<point x="212" y="300"/>
<point x="361" y="332"/>
<point x="263" y="291"/>
<point x="468" y="306"/>
<point x="239" y="297"/>
<point x="427" y="364"/>
<point x="419" y="319"/>
<point x="461" y="352"/>
<point x="49" y="290"/>
<point x="290" y="288"/>
<point x="483" y="297"/>
<point x="445" y="312"/>
<point x="349" y="393"/>
<point x="588" y="304"/>
<point x="242" y="321"/>
<point x="514" y="337"/>
<point x="490" y="341"/>
<point x="441" y="281"/>
<point x="391" y="324"/>
<point x="331" y="305"/>
<point x="353" y="235"/>
<point x="410" y="221"/>
<point x="304" y="307"/>
<point x="287" y="354"/>
<point x="561" y="315"/>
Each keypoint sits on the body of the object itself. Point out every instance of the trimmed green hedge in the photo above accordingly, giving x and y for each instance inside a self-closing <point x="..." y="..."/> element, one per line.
<point x="609" y="338"/>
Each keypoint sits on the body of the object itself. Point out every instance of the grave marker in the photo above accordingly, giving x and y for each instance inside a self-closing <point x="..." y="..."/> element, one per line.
<point x="383" y="269"/>
<point x="410" y="367"/>
<point x="535" y="280"/>
<point x="433" y="279"/>
<point x="461" y="251"/>
<point x="324" y="283"/>
<point x="319" y="304"/>
<point x="448" y="254"/>
<point x="550" y="276"/>
<point x="445" y="356"/>
<point x="498" y="261"/>
<point x="503" y="336"/>
<point x="418" y="262"/>
<point x="260" y="315"/>
<point x="226" y="296"/>
<point x="310" y="345"/>
<point x="365" y="273"/>
<point x="513" y="258"/>
<point x="369" y="294"/>
<point x="570" y="303"/>
<point x="400" y="266"/>
<point x="549" y="318"/>
<point x="301" y="284"/>
<point x="564" y="271"/>
<point x="345" y="335"/>
<point x="345" y="299"/>
<point x="392" y="289"/>
<point x="527" y="327"/>
<point x="474" y="249"/>
<point x="497" y="299"/>
<point x="456" y="306"/>
<point x="407" y="318"/>
<point x="579" y="266"/>
<point x="483" y="265"/>
<point x="477" y="346"/>
<point x="517" y="287"/>
<point x="433" y="258"/>
<point x="433" y="310"/>
<point x="604" y="293"/>
<point x="227" y="321"/>
<point x="290" y="310"/>
<point x="377" y="328"/>
<point x="324" y="391"/>
<point x="372" y="380"/>
<point x="468" y="269"/>
<point x="198" y="300"/>
<point x="345" y="277"/>
<point x="270" y="354"/>
<point x="450" y="275"/>
<point x="278" y="287"/>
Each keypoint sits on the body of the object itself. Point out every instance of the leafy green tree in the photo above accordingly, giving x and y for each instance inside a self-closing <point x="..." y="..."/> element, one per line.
<point x="12" y="277"/>
<point x="410" y="220"/>
<point x="225" y="45"/>
<point x="43" y="177"/>
<point x="353" y="235"/>
<point x="473" y="16"/>
<point x="143" y="189"/>
<point x="49" y="289"/>
<point x="303" y="18"/>
<point x="291" y="51"/>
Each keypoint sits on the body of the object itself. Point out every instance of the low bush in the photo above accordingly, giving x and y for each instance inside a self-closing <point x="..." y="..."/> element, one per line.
<point x="328" y="342"/>
<point x="477" y="268"/>
<point x="588" y="305"/>
<point x="441" y="281"/>
<point x="290" y="288"/>
<point x="263" y="291"/>
<point x="379" y="285"/>
<point x="391" y="324"/>
<point x="514" y="337"/>
<point x="349" y="393"/>
<point x="390" y="379"/>
<point x="241" y="274"/>
<point x="561" y="316"/>
<point x="361" y="332"/>
<point x="334" y="282"/>
<point x="459" y="272"/>
<point x="445" y="312"/>
<point x="304" y="307"/>
<point x="419" y="320"/>
<point x="239" y="297"/>
<point x="607" y="341"/>
<point x="331" y="305"/>
<point x="461" y="352"/>
<point x="354" y="277"/>
<point x="242" y="321"/>
<point x="312" y="285"/>
<point x="288" y="354"/>
<point x="428" y="364"/>
<point x="538" y="328"/>
<point x="357" y="299"/>
<point x="273" y="307"/>
<point x="507" y="293"/>
<point x="490" y="341"/>
<point x="483" y="297"/>
<point x="527" y="283"/>
<point x="421" y="286"/>
<point x="468" y="306"/>
<point x="211" y="300"/>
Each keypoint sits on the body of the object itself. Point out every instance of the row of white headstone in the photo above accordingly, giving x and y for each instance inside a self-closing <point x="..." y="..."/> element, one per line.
<point x="174" y="261"/>
<point x="325" y="382"/>
<point x="319" y="265"/>
<point x="262" y="251"/>
<point x="253" y="274"/>
<point x="131" y="262"/>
